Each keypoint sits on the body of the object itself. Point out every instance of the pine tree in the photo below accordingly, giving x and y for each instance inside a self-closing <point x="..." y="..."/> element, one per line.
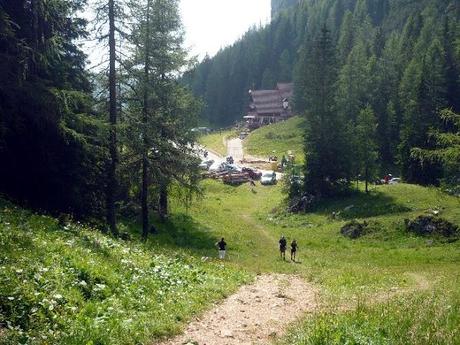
<point x="327" y="168"/>
<point x="366" y="147"/>
<point x="446" y="150"/>
<point x="347" y="37"/>
<point x="112" y="184"/>
<point x="159" y="109"/>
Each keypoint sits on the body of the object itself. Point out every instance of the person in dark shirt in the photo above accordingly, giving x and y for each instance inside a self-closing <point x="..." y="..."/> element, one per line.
<point x="222" y="248"/>
<point x="293" y="250"/>
<point x="283" y="244"/>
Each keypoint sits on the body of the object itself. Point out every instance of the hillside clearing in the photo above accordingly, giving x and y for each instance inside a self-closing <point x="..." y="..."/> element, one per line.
<point x="217" y="141"/>
<point x="279" y="138"/>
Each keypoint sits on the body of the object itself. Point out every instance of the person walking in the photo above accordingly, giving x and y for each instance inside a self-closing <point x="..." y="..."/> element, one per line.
<point x="222" y="248"/>
<point x="294" y="247"/>
<point x="283" y="245"/>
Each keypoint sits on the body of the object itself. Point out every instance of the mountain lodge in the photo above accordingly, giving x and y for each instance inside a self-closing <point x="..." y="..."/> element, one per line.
<point x="269" y="106"/>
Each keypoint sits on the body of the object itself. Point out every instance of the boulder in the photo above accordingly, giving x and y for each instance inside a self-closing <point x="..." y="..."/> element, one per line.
<point x="354" y="229"/>
<point x="432" y="226"/>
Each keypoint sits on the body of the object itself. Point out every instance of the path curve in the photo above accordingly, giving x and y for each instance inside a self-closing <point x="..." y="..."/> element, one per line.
<point x="255" y="314"/>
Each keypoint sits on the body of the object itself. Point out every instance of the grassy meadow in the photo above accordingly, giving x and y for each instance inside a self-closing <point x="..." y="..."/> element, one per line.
<point x="73" y="285"/>
<point x="388" y="287"/>
<point x="216" y="140"/>
<point x="279" y="137"/>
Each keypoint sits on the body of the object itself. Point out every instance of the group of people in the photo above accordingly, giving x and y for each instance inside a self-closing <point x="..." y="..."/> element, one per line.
<point x="222" y="246"/>
<point x="283" y="247"/>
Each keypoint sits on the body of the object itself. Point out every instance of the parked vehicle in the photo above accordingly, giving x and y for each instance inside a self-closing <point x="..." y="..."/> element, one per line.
<point x="395" y="180"/>
<point x="244" y="134"/>
<point x="234" y="168"/>
<point x="223" y="167"/>
<point x="205" y="165"/>
<point x="268" y="178"/>
<point x="252" y="173"/>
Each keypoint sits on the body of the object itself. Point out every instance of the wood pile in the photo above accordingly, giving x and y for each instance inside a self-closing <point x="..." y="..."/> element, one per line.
<point x="235" y="178"/>
<point x="232" y="178"/>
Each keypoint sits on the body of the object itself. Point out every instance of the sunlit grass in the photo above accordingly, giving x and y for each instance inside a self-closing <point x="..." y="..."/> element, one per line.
<point x="216" y="140"/>
<point x="279" y="137"/>
<point x="74" y="285"/>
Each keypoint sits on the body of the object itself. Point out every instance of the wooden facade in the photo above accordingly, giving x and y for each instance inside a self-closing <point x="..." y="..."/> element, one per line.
<point x="269" y="106"/>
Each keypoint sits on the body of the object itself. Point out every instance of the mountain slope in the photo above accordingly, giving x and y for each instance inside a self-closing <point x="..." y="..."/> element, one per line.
<point x="266" y="55"/>
<point x="280" y="5"/>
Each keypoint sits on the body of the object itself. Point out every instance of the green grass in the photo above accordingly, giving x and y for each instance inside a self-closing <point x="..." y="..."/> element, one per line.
<point x="134" y="292"/>
<point x="279" y="137"/>
<point x="387" y="258"/>
<point x="216" y="140"/>
<point x="423" y="318"/>
<point x="74" y="285"/>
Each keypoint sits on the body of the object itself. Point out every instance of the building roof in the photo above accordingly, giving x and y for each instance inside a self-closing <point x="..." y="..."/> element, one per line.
<point x="270" y="102"/>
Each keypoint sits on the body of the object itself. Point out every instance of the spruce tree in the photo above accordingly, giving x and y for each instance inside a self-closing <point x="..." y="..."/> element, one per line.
<point x="366" y="147"/>
<point x="327" y="167"/>
<point x="160" y="111"/>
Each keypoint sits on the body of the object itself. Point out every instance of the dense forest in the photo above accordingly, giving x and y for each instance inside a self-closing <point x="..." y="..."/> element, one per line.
<point x="115" y="141"/>
<point x="280" y="5"/>
<point x="94" y="144"/>
<point x="396" y="61"/>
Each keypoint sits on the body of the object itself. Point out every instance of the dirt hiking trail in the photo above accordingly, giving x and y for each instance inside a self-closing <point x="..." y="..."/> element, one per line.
<point x="255" y="314"/>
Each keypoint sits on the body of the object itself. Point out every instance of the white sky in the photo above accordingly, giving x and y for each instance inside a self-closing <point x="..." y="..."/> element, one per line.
<point x="214" y="24"/>
<point x="209" y="24"/>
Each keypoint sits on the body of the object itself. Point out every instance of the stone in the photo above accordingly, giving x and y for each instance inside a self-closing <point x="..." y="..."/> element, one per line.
<point x="226" y="333"/>
<point x="354" y="229"/>
<point x="432" y="226"/>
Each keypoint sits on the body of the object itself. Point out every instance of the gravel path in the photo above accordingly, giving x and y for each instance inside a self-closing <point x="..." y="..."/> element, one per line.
<point x="235" y="149"/>
<point x="256" y="314"/>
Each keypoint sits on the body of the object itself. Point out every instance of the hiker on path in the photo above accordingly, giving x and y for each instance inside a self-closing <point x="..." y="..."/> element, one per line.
<point x="283" y="245"/>
<point x="221" y="245"/>
<point x="293" y="250"/>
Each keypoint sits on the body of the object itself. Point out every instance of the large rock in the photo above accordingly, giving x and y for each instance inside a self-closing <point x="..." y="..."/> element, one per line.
<point x="432" y="226"/>
<point x="354" y="229"/>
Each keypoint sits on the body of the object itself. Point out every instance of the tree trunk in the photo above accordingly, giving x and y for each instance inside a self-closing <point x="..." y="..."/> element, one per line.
<point x="366" y="177"/>
<point x="145" y="144"/>
<point x="144" y="197"/>
<point x="112" y="173"/>
<point x="163" y="202"/>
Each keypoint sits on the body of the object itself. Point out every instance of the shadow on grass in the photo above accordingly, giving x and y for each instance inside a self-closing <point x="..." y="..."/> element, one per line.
<point x="182" y="231"/>
<point x="361" y="205"/>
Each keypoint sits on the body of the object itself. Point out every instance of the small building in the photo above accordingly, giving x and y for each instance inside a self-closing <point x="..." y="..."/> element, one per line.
<point x="269" y="106"/>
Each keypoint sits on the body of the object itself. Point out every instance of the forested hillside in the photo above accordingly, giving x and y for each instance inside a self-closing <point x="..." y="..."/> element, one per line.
<point x="402" y="58"/>
<point x="280" y="5"/>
